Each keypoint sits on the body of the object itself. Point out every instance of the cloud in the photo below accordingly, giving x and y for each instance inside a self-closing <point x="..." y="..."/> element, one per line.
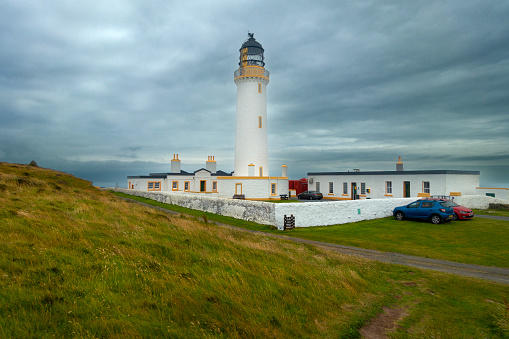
<point x="113" y="85"/>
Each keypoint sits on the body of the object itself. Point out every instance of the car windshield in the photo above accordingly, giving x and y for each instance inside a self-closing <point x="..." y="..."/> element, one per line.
<point x="449" y="204"/>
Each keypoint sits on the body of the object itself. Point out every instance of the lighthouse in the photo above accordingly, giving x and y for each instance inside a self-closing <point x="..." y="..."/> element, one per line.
<point x="251" y="78"/>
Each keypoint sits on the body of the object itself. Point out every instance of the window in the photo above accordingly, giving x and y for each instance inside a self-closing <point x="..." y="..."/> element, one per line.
<point x="259" y="87"/>
<point x="427" y="204"/>
<point x="260" y="122"/>
<point x="214" y="186"/>
<point x="331" y="188"/>
<point x="363" y="188"/>
<point x="175" y="185"/>
<point x="345" y="188"/>
<point x="154" y="185"/>
<point x="426" y="187"/>
<point x="414" y="204"/>
<point x="273" y="189"/>
<point x="186" y="186"/>
<point x="388" y="187"/>
<point x="318" y="187"/>
<point x="261" y="171"/>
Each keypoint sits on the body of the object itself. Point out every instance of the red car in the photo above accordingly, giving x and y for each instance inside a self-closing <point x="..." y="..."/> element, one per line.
<point x="460" y="212"/>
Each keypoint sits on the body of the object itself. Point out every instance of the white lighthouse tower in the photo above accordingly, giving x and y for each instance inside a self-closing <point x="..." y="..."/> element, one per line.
<point x="251" y="147"/>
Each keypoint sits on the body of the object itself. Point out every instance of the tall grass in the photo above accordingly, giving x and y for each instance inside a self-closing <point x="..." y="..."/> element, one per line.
<point x="79" y="262"/>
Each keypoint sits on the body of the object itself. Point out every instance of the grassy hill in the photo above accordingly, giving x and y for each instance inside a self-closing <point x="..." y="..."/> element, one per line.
<point x="79" y="262"/>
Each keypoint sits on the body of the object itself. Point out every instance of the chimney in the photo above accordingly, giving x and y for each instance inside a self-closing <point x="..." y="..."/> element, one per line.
<point x="175" y="164"/>
<point x="284" y="171"/>
<point x="399" y="165"/>
<point x="210" y="165"/>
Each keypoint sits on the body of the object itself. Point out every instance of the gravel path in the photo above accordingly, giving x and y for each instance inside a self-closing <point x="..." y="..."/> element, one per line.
<point x="490" y="273"/>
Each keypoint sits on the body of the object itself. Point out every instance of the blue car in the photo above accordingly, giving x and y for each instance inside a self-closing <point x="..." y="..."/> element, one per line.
<point x="432" y="210"/>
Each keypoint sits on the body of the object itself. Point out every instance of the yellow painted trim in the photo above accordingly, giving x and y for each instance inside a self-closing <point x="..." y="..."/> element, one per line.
<point x="455" y="194"/>
<point x="260" y="125"/>
<point x="345" y="195"/>
<point x="330" y="194"/>
<point x="491" y="188"/>
<point x="154" y="189"/>
<point x="423" y="195"/>
<point x="329" y="198"/>
<point x="251" y="178"/>
<point x="284" y="166"/>
<point x="388" y="195"/>
<point x="362" y="195"/>
<point x="259" y="87"/>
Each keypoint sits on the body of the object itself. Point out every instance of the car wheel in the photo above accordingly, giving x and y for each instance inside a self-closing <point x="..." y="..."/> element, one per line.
<point x="435" y="219"/>
<point x="399" y="216"/>
<point x="311" y="198"/>
<point x="455" y="217"/>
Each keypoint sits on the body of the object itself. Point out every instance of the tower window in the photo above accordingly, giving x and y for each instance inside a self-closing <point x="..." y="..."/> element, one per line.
<point x="273" y="190"/>
<point x="261" y="171"/>
<point x="259" y="87"/>
<point x="259" y="122"/>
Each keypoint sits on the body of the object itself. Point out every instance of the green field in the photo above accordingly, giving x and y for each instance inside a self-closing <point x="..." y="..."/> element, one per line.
<point x="478" y="241"/>
<point x="79" y="262"/>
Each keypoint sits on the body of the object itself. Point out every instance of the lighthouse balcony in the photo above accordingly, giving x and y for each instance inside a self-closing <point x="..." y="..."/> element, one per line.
<point x="252" y="71"/>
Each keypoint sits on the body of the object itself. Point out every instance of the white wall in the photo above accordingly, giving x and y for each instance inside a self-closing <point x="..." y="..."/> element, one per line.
<point x="500" y="193"/>
<point x="440" y="184"/>
<point x="337" y="212"/>
<point x="478" y="201"/>
<point x="306" y="214"/>
<point x="256" y="211"/>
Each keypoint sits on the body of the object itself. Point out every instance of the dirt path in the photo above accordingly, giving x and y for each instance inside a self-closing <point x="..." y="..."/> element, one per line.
<point x="491" y="273"/>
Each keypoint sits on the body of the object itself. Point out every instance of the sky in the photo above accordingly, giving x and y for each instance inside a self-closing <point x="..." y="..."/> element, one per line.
<point x="107" y="89"/>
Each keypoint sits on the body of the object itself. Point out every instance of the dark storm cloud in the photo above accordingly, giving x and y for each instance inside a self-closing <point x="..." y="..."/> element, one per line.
<point x="109" y="89"/>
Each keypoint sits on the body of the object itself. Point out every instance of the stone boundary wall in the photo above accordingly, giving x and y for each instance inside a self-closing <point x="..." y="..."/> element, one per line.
<point x="310" y="214"/>
<point x="481" y="202"/>
<point x="306" y="214"/>
<point x="256" y="211"/>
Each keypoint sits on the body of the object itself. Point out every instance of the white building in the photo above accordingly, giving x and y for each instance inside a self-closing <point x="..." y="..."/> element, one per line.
<point x="393" y="184"/>
<point x="251" y="178"/>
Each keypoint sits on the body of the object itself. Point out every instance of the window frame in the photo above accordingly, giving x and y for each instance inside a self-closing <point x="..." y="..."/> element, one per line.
<point x="331" y="187"/>
<point x="156" y="186"/>
<point x="388" y="188"/>
<point x="426" y="189"/>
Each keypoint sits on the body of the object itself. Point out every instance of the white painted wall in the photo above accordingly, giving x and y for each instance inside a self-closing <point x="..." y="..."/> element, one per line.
<point x="251" y="145"/>
<point x="306" y="214"/>
<point x="501" y="193"/>
<point x="440" y="184"/>
<point x="337" y="212"/>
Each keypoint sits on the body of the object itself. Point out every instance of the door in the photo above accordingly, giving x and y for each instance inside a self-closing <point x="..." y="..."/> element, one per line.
<point x="238" y="189"/>
<point x="406" y="189"/>
<point x="354" y="190"/>
<point x="203" y="185"/>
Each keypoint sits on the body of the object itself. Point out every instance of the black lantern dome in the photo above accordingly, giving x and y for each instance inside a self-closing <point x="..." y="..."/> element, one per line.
<point x="251" y="53"/>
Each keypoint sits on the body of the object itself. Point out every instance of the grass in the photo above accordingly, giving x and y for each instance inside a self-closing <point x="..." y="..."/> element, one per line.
<point x="79" y="262"/>
<point x="477" y="241"/>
